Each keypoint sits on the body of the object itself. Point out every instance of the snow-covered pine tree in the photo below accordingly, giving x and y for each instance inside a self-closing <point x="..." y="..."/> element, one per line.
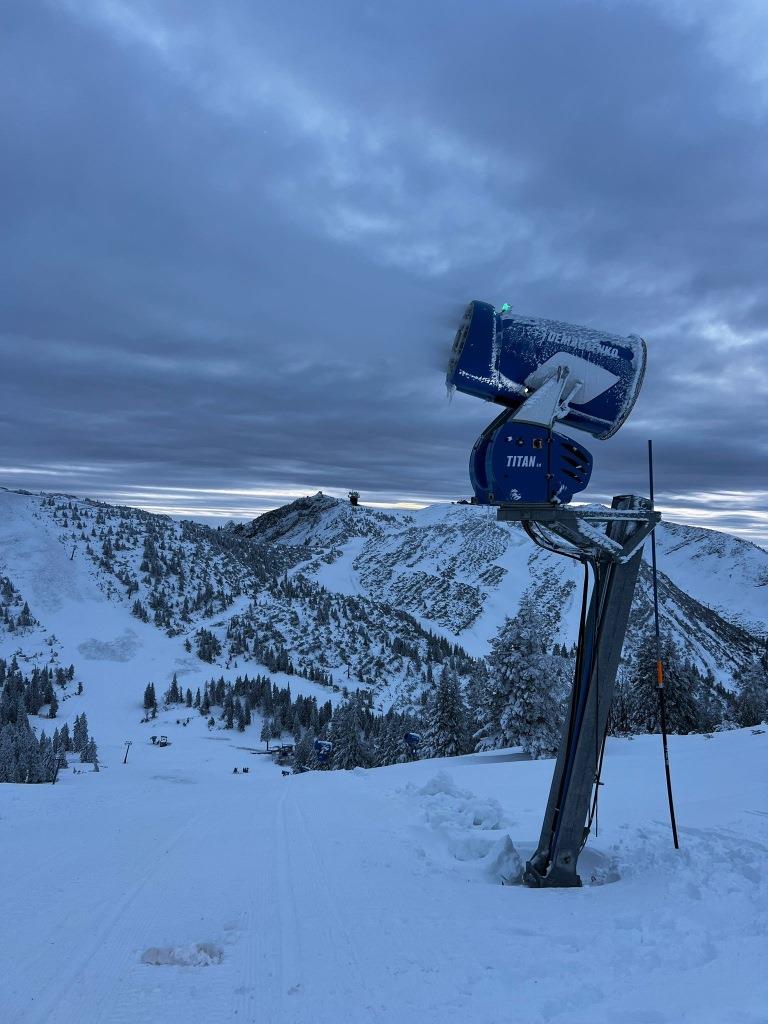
<point x="447" y="733"/>
<point x="683" y="690"/>
<point x="751" y="700"/>
<point x="524" y="703"/>
<point x="266" y="731"/>
<point x="228" y="711"/>
<point x="7" y="753"/>
<point x="349" y="747"/>
<point x="304" y="753"/>
<point x="89" y="754"/>
<point x="390" y="746"/>
<point x="80" y="733"/>
<point x="239" y="716"/>
<point x="65" y="739"/>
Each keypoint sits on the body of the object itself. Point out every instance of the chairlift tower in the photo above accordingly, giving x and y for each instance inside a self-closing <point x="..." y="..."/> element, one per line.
<point x="546" y="373"/>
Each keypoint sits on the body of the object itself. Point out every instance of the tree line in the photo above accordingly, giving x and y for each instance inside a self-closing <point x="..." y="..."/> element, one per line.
<point x="25" y="757"/>
<point x="518" y="697"/>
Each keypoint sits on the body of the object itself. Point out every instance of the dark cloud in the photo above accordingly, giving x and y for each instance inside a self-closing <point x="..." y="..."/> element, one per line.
<point x="236" y="239"/>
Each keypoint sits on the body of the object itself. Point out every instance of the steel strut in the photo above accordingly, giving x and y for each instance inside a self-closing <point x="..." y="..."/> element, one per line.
<point x="617" y="564"/>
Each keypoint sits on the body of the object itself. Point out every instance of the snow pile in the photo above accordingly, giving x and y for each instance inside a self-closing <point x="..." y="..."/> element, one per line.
<point x="460" y="823"/>
<point x="447" y="805"/>
<point x="201" y="954"/>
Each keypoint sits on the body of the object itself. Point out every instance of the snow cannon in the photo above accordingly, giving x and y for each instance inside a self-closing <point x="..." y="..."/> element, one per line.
<point x="323" y="750"/>
<point x="412" y="741"/>
<point x="544" y="372"/>
<point x="504" y="357"/>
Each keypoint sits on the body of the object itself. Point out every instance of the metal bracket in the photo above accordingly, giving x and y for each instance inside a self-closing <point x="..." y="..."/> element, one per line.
<point x="579" y="526"/>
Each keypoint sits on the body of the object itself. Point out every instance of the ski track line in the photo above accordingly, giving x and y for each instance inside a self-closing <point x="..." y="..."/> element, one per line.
<point x="217" y="995"/>
<point x="293" y="954"/>
<point x="259" y="996"/>
<point x="312" y="866"/>
<point x="53" y="1007"/>
<point x="123" y="998"/>
<point x="54" y="866"/>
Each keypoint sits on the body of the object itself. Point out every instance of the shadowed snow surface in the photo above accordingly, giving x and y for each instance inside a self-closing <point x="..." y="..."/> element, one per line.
<point x="376" y="895"/>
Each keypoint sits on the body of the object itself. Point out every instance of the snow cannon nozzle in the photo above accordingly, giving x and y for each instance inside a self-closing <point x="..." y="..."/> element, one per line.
<point x="503" y="356"/>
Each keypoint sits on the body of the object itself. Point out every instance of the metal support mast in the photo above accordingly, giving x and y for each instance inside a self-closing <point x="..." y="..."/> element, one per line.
<point x="565" y="827"/>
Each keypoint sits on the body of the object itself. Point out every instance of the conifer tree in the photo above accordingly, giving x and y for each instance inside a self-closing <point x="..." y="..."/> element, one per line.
<point x="65" y="739"/>
<point x="266" y="731"/>
<point x="683" y="690"/>
<point x="349" y="747"/>
<point x="390" y="745"/>
<point x="303" y="752"/>
<point x="524" y="704"/>
<point x="447" y="733"/>
<point x="80" y="733"/>
<point x="89" y="754"/>
<point x="751" y="702"/>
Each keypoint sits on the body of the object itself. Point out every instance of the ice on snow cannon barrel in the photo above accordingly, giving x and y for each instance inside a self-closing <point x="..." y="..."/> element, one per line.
<point x="505" y="357"/>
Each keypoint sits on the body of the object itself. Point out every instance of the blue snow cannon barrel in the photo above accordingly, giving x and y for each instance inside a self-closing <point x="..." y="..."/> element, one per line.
<point x="412" y="740"/>
<point x="505" y="357"/>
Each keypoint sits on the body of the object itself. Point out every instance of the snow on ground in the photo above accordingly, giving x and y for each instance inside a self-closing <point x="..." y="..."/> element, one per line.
<point x="339" y="576"/>
<point x="171" y="890"/>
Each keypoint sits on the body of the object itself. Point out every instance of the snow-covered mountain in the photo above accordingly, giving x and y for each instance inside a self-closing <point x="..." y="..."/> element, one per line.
<point x="343" y="595"/>
<point x="458" y="569"/>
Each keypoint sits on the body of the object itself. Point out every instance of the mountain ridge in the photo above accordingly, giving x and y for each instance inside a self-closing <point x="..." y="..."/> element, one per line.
<point x="360" y="596"/>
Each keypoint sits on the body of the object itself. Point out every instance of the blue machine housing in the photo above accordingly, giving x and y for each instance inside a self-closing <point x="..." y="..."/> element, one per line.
<point x="502" y="358"/>
<point x="515" y="461"/>
<point x="323" y="750"/>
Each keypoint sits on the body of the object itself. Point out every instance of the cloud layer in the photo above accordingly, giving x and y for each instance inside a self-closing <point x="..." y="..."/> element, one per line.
<point x="237" y="239"/>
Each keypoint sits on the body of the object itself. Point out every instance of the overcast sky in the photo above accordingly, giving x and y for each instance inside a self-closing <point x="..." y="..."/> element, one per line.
<point x="237" y="237"/>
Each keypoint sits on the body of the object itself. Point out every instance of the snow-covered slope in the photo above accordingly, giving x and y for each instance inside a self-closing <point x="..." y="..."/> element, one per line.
<point x="458" y="568"/>
<point x="725" y="573"/>
<point x="170" y="890"/>
<point x="108" y="583"/>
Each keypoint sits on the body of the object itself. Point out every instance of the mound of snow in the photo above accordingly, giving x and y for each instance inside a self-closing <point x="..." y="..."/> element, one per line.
<point x="201" y="954"/>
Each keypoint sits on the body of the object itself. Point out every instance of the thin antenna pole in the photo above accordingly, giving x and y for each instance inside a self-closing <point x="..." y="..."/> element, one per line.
<point x="659" y="666"/>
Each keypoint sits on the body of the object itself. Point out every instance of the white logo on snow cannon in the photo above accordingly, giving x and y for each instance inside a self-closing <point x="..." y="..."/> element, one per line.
<point x="523" y="462"/>
<point x="515" y="495"/>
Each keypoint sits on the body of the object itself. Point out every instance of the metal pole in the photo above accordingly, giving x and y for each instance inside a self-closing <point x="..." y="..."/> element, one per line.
<point x="659" y="666"/>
